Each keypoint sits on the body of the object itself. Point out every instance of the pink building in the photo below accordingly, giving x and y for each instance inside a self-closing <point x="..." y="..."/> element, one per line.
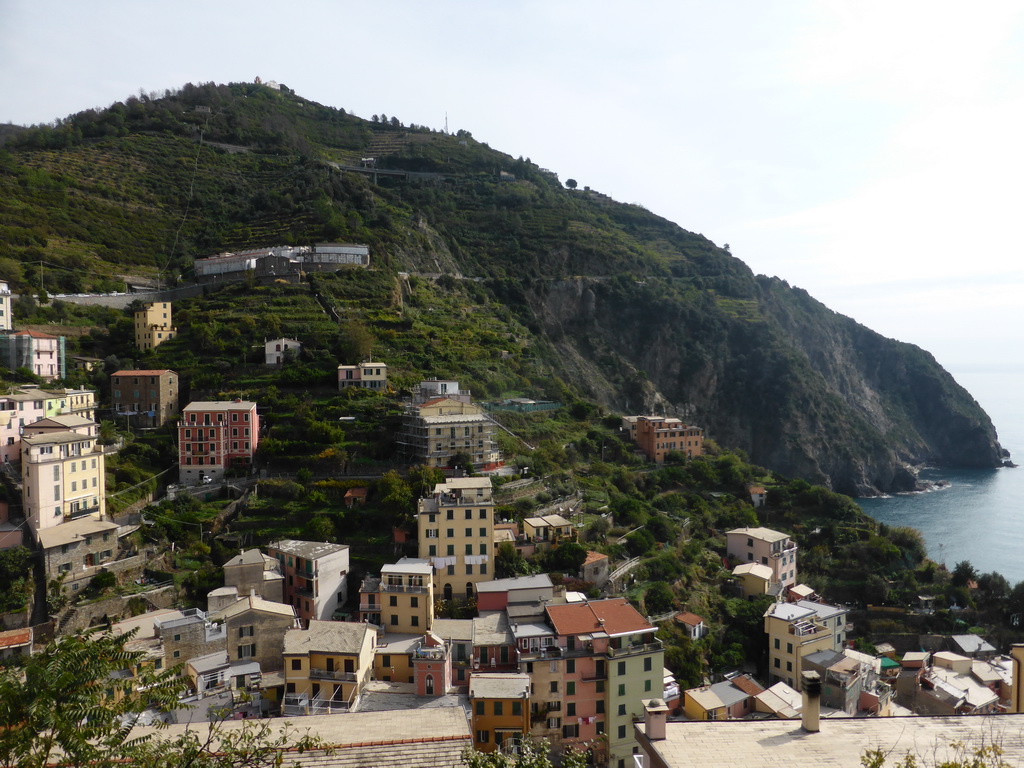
<point x="18" y="410"/>
<point x="41" y="353"/>
<point x="214" y="436"/>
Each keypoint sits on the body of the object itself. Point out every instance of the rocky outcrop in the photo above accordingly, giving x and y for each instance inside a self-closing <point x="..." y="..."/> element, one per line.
<point x="802" y="389"/>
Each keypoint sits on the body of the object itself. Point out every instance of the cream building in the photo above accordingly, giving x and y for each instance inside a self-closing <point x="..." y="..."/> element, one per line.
<point x="327" y="666"/>
<point x="456" y="534"/>
<point x="767" y="547"/>
<point x="402" y="599"/>
<point x="434" y="433"/>
<point x="796" y="630"/>
<point x="62" y="475"/>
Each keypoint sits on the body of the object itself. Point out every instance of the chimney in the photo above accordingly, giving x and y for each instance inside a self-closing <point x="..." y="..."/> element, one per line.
<point x="811" y="712"/>
<point x="1017" y="689"/>
<point x="655" y="719"/>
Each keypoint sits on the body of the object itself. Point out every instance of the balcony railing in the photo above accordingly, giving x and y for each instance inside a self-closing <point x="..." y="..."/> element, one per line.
<point x="369" y="608"/>
<point x="332" y="674"/>
<point x="628" y="650"/>
<point x="434" y="654"/>
<point x="402" y="588"/>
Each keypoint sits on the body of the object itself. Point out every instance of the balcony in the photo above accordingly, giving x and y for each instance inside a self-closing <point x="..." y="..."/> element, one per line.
<point x="332" y="674"/>
<point x="369" y="608"/>
<point x="407" y="588"/>
<point x="636" y="648"/>
<point x="74" y="514"/>
<point x="432" y="654"/>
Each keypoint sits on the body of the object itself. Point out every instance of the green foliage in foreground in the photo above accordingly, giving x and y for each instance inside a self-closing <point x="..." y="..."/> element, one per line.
<point x="527" y="755"/>
<point x="962" y="756"/>
<point x="67" y="706"/>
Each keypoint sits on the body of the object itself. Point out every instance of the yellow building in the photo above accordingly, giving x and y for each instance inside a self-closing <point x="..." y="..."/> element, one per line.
<point x="796" y="630"/>
<point x="326" y="666"/>
<point x="154" y="325"/>
<point x="501" y="709"/>
<point x="445" y="432"/>
<point x="392" y="658"/>
<point x="62" y="475"/>
<point x="456" y="534"/>
<point x="753" y="578"/>
<point x="402" y="599"/>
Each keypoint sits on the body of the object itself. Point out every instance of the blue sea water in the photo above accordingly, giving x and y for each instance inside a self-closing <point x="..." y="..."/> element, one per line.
<point x="980" y="515"/>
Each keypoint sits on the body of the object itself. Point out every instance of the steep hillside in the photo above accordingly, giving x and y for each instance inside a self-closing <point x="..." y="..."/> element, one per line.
<point x="615" y="303"/>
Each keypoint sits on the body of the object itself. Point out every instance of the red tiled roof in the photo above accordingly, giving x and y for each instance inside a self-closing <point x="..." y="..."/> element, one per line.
<point x="355" y="493"/>
<point x="14" y="637"/>
<point x="433" y="401"/>
<point x="614" y="617"/>
<point x="142" y="373"/>
<point x="35" y="334"/>
<point x="593" y="557"/>
<point x="747" y="684"/>
<point x="689" y="619"/>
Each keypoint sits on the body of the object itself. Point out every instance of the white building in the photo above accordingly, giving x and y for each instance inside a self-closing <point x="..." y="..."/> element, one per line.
<point x="6" y="318"/>
<point x="274" y="350"/>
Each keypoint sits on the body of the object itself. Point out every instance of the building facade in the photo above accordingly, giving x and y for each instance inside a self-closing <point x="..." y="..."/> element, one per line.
<point x="277" y="351"/>
<point x="62" y="475"/>
<point x="402" y="599"/>
<point x="443" y="432"/>
<point x="327" y="666"/>
<point x="368" y="375"/>
<point x="154" y="325"/>
<point x="795" y="631"/>
<point x="456" y="534"/>
<point x="148" y="396"/>
<point x="40" y="353"/>
<point x="6" y="316"/>
<point x="500" y="706"/>
<point x="658" y="436"/>
<point x="214" y="436"/>
<point x="767" y="547"/>
<point x="315" y="576"/>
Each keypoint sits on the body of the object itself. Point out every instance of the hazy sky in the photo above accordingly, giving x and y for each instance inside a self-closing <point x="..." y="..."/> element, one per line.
<point x="868" y="151"/>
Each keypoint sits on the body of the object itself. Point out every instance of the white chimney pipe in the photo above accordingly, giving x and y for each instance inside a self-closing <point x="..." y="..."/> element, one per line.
<point x="811" y="714"/>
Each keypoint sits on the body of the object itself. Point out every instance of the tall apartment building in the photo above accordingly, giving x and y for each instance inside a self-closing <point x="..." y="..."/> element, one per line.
<point x="41" y="353"/>
<point x="591" y="671"/>
<point x="795" y="631"/>
<point x="62" y="475"/>
<point x="154" y="325"/>
<point x="214" y="436"/>
<point x="315" y="576"/>
<point x="767" y="547"/>
<point x="149" y="396"/>
<point x="401" y="599"/>
<point x="442" y="431"/>
<point x="657" y="436"/>
<point x="456" y="534"/>
<point x="18" y="410"/>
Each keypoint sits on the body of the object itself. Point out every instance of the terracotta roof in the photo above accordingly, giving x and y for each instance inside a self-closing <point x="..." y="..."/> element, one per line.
<point x="15" y="637"/>
<point x="593" y="557"/>
<point x="613" y="617"/>
<point x="34" y="334"/>
<point x="748" y="685"/>
<point x="355" y="493"/>
<point x="143" y="373"/>
<point x="433" y="401"/>
<point x="689" y="619"/>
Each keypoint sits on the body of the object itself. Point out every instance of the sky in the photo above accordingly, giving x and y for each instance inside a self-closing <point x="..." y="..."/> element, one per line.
<point x="869" y="151"/>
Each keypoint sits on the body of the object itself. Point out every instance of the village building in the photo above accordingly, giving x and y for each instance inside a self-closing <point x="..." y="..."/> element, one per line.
<point x="154" y="325"/>
<point x="327" y="666"/>
<point x="315" y="576"/>
<point x="41" y="353"/>
<point x="767" y="547"/>
<point x="442" y="432"/>
<point x="500" y="706"/>
<point x="368" y="375"/>
<point x="658" y="436"/>
<point x="276" y="352"/>
<point x="215" y="437"/>
<point x="62" y="477"/>
<point x="401" y="599"/>
<point x="456" y="534"/>
<point x="148" y="397"/>
<point x="795" y="631"/>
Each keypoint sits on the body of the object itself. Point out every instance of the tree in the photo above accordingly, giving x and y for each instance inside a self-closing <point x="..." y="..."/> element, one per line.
<point x="393" y="493"/>
<point x="961" y="756"/>
<point x="66" y="706"/>
<point x="571" y="183"/>
<point x="963" y="572"/>
<point x="528" y="754"/>
<point x="658" y="598"/>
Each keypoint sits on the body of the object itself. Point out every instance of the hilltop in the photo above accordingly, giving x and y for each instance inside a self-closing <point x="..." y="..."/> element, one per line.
<point x="485" y="266"/>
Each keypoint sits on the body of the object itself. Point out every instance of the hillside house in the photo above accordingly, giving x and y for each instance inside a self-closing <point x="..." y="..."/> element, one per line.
<point x="40" y="353"/>
<point x="315" y="576"/>
<point x="767" y="547"/>
<point x="154" y="325"/>
<point x="214" y="437"/>
<point x="442" y="432"/>
<point x="148" y="397"/>
<point x="276" y="352"/>
<point x="368" y="375"/>
<point x="327" y="666"/>
<point x="456" y="534"/>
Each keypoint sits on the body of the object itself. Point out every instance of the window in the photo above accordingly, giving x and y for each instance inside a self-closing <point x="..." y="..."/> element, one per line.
<point x="570" y="664"/>
<point x="498" y="708"/>
<point x="451" y="533"/>
<point x="451" y="515"/>
<point x="246" y="631"/>
<point x="469" y="569"/>
<point x="570" y="688"/>
<point x="482" y="737"/>
<point x="647" y="664"/>
<point x="469" y="514"/>
<point x="469" y="533"/>
<point x="483" y="514"/>
<point x="451" y="570"/>
<point x="778" y="644"/>
<point x="789" y="666"/>
<point x="554" y="686"/>
<point x="469" y="549"/>
<point x="622" y="689"/>
<point x="778" y="664"/>
<point x="600" y="706"/>
<point x="647" y="685"/>
<point x="479" y="707"/>
<point x="622" y="667"/>
<point x="246" y="651"/>
<point x="622" y="710"/>
<point x="432" y="533"/>
<point x="789" y="647"/>
<point x="450" y="550"/>
<point x="414" y="602"/>
<point x="432" y="550"/>
<point x="296" y="664"/>
<point x="622" y="735"/>
<point x="570" y="709"/>
<point x="394" y="620"/>
<point x="415" y="621"/>
<point x="393" y="600"/>
<point x="570" y="731"/>
<point x="483" y="532"/>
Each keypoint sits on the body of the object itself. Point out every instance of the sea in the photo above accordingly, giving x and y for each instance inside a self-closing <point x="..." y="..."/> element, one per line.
<point x="979" y="516"/>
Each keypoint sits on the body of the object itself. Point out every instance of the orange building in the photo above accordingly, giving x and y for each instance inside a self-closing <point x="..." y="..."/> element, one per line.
<point x="657" y="436"/>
